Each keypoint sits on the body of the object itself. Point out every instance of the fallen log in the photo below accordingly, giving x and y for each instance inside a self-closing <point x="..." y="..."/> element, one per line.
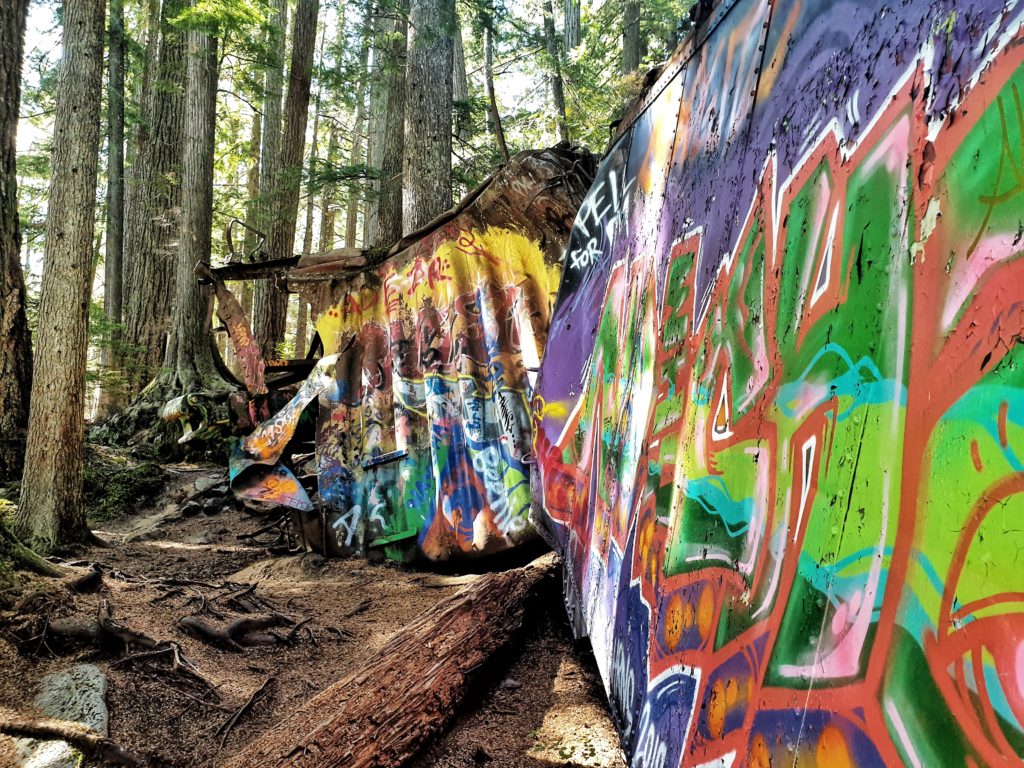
<point x="405" y="694"/>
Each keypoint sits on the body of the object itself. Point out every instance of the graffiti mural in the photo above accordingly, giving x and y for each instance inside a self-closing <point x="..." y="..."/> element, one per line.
<point x="781" y="412"/>
<point x="421" y="403"/>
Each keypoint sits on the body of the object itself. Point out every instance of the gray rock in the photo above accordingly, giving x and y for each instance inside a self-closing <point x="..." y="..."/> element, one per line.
<point x="146" y="529"/>
<point x="190" y="508"/>
<point x="78" y="694"/>
<point x="206" y="482"/>
<point x="203" y="537"/>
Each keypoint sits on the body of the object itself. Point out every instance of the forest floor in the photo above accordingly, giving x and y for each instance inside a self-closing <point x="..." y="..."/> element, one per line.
<point x="541" y="706"/>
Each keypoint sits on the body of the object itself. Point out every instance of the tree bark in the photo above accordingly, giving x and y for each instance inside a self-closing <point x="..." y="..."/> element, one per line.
<point x="252" y="191"/>
<point x="357" y="156"/>
<point x="15" y="340"/>
<point x="327" y="210"/>
<point x="252" y="184"/>
<point x="630" y="36"/>
<point x="189" y="362"/>
<point x="406" y="693"/>
<point x="375" y="126"/>
<point x="152" y="208"/>
<point x="427" y="168"/>
<point x="572" y="30"/>
<point x="392" y="149"/>
<point x="52" y="511"/>
<point x="494" y="125"/>
<point x="555" y="70"/>
<point x="281" y="243"/>
<point x="110" y="394"/>
<point x="302" y="310"/>
<point x="143" y="92"/>
<point x="267" y="309"/>
<point x="460" y="85"/>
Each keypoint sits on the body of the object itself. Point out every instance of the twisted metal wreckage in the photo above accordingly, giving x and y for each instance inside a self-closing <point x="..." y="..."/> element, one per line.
<point x="778" y="429"/>
<point x="420" y="443"/>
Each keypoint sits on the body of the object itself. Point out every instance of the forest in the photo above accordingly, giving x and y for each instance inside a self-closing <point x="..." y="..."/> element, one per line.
<point x="519" y="383"/>
<point x="183" y="183"/>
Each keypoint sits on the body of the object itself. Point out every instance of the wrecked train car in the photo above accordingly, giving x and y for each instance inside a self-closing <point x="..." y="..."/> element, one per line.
<point x="782" y="400"/>
<point x="418" y="414"/>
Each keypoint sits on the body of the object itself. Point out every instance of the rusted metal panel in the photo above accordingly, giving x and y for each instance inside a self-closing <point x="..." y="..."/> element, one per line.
<point x="781" y="411"/>
<point x="230" y="312"/>
<point x="423" y="394"/>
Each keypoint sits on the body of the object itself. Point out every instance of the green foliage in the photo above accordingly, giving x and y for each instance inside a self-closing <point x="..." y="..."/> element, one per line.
<point x="596" y="93"/>
<point x="224" y="18"/>
<point x="117" y="485"/>
<point x="596" y="90"/>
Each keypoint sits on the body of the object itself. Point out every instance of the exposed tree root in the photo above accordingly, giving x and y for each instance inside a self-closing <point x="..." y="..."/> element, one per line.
<point x="99" y="630"/>
<point x="34" y="628"/>
<point x="240" y="633"/>
<point x="87" y="582"/>
<point x="85" y="740"/>
<point x="21" y="558"/>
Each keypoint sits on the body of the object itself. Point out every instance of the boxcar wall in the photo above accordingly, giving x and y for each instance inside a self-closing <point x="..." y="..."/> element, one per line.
<point x="780" y="416"/>
<point x="422" y="433"/>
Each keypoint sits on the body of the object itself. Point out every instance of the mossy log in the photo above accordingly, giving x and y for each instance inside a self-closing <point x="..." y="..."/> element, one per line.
<point x="406" y="694"/>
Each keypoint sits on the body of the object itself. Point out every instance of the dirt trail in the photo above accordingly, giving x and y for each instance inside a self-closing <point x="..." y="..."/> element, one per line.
<point x="542" y="706"/>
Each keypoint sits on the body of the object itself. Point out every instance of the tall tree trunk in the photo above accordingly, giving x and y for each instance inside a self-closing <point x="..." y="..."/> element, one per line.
<point x="189" y="361"/>
<point x="460" y="85"/>
<point x="52" y="511"/>
<point x="252" y="184"/>
<point x="375" y="125"/>
<point x="110" y="395"/>
<point x="267" y="310"/>
<point x="143" y="92"/>
<point x="427" y="169"/>
<point x="357" y="156"/>
<point x="630" y="36"/>
<point x="152" y="207"/>
<point x="252" y="188"/>
<point x="15" y="340"/>
<point x="270" y="332"/>
<point x="301" y="313"/>
<point x="494" y="125"/>
<point x="572" y="30"/>
<point x="555" y="70"/>
<point x="327" y="210"/>
<point x="392" y="142"/>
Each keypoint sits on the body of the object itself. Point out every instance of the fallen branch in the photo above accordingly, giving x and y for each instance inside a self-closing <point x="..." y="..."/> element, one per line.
<point x="179" y="664"/>
<point x="227" y="725"/>
<point x="362" y="607"/>
<point x="381" y="714"/>
<point x="88" y="742"/>
<point x="199" y="700"/>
